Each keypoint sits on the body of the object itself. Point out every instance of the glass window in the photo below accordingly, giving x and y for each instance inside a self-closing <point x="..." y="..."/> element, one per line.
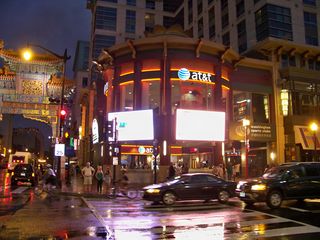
<point x="242" y="36"/>
<point x="200" y="28"/>
<point x="130" y="21"/>
<point x="312" y="171"/>
<point x="190" y="13"/>
<point x="150" y="94"/>
<point x="126" y="96"/>
<point x="150" y="4"/>
<point x="149" y="22"/>
<point x="199" y="179"/>
<point x="273" y="21"/>
<point x="106" y="18"/>
<point x="310" y="2"/>
<point x="226" y="39"/>
<point x="131" y="2"/>
<point x="212" y="27"/>
<point x="225" y="20"/>
<point x="199" y="5"/>
<point x="100" y="42"/>
<point x="84" y="82"/>
<point x="311" y="28"/>
<point x="241" y="105"/>
<point x="192" y="95"/>
<point x="224" y="4"/>
<point x="260" y="108"/>
<point x="240" y="7"/>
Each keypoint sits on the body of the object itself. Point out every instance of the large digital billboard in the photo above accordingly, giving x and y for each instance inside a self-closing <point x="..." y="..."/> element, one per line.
<point x="196" y="125"/>
<point x="133" y="125"/>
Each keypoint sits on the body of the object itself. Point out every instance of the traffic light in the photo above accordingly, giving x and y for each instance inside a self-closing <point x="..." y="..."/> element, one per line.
<point x="63" y="114"/>
<point x="110" y="129"/>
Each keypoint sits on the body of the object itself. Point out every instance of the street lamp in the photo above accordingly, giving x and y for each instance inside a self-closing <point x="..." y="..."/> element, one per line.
<point x="314" y="129"/>
<point x="246" y="124"/>
<point x="27" y="55"/>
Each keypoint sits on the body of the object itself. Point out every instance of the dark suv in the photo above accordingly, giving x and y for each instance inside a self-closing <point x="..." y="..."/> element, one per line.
<point x="23" y="173"/>
<point x="297" y="181"/>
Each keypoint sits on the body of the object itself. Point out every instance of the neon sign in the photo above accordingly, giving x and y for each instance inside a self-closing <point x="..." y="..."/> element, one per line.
<point x="184" y="74"/>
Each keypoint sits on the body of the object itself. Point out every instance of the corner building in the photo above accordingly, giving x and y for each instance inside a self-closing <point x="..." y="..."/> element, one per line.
<point x="146" y="77"/>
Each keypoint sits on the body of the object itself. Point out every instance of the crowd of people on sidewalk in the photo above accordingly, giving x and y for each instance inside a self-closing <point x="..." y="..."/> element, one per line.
<point x="227" y="172"/>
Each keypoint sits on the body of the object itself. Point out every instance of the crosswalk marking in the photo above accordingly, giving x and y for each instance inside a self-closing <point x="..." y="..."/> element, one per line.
<point x="131" y="220"/>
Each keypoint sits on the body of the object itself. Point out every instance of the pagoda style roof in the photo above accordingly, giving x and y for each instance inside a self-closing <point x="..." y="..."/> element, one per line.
<point x="15" y="56"/>
<point x="56" y="82"/>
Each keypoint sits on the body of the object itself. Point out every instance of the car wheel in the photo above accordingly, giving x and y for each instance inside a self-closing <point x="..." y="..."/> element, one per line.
<point x="223" y="196"/>
<point x="274" y="199"/>
<point x="169" y="198"/>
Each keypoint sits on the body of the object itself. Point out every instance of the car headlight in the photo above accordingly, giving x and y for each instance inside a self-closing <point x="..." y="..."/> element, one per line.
<point x="153" y="190"/>
<point x="258" y="187"/>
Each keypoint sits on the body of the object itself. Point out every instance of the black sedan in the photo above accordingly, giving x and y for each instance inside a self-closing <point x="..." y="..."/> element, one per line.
<point x="192" y="186"/>
<point x="23" y="173"/>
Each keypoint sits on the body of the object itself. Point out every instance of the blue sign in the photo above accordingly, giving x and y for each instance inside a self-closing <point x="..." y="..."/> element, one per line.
<point x="184" y="74"/>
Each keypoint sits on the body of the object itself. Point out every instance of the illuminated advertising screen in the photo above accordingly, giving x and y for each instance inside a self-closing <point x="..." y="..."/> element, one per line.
<point x="133" y="125"/>
<point x="196" y="125"/>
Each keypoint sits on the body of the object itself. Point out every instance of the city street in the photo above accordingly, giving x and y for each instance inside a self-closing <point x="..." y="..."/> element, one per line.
<point x="27" y="215"/>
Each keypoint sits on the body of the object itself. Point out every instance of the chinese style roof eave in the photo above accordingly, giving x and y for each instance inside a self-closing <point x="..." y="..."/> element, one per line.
<point x="14" y="56"/>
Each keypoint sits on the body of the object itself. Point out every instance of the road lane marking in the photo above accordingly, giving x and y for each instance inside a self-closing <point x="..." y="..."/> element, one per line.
<point x="299" y="209"/>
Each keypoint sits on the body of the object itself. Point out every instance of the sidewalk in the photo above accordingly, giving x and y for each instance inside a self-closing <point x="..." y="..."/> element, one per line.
<point x="75" y="188"/>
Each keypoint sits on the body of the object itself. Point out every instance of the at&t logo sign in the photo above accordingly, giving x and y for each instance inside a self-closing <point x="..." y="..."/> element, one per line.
<point x="184" y="74"/>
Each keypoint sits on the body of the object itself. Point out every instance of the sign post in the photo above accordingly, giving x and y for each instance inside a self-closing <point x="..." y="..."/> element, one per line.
<point x="155" y="154"/>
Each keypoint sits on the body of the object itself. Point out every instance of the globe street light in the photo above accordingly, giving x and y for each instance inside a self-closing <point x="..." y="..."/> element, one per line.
<point x="246" y="124"/>
<point x="314" y="129"/>
<point x="27" y="55"/>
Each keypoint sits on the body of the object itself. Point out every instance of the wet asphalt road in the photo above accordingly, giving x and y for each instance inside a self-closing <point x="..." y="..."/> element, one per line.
<point x="26" y="215"/>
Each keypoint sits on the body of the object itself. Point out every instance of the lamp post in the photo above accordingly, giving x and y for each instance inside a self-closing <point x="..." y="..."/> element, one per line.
<point x="27" y="55"/>
<point x="246" y="124"/>
<point x="314" y="129"/>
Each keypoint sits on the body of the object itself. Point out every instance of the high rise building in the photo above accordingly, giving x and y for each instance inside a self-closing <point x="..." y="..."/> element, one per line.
<point x="285" y="33"/>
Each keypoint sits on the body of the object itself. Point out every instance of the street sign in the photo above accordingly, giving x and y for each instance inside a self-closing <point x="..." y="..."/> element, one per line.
<point x="115" y="161"/>
<point x="59" y="150"/>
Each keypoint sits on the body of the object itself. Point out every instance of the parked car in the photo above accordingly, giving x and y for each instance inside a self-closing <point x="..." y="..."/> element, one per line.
<point x="296" y="181"/>
<point x="192" y="186"/>
<point x="23" y="172"/>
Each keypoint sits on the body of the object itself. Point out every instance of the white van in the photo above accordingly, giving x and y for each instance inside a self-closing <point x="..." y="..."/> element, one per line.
<point x="18" y="157"/>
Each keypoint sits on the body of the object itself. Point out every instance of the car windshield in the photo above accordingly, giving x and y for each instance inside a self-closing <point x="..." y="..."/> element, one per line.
<point x="274" y="172"/>
<point x="22" y="167"/>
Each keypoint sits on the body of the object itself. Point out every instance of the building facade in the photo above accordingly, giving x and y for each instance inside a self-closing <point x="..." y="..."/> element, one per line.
<point x="146" y="77"/>
<point x="269" y="30"/>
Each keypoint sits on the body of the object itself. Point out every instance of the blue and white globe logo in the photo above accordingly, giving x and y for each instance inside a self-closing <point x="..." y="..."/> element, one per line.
<point x="184" y="74"/>
<point x="141" y="150"/>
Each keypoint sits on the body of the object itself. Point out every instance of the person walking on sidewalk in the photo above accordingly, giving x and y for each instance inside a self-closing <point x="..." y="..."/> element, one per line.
<point x="99" y="177"/>
<point x="87" y="173"/>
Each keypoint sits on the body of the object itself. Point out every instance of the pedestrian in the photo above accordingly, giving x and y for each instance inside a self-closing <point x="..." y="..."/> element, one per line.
<point x="99" y="177"/>
<point x="171" y="172"/>
<point x="107" y="176"/>
<point x="220" y="171"/>
<point x="49" y="178"/>
<point x="87" y="173"/>
<point x="185" y="168"/>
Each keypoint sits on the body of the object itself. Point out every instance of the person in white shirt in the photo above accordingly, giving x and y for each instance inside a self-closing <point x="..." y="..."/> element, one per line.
<point x="87" y="173"/>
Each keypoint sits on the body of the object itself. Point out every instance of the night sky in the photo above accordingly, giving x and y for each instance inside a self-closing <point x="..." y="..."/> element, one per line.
<point x="54" y="24"/>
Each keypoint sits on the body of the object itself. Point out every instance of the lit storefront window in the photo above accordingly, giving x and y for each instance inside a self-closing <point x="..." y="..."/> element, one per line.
<point x="251" y="104"/>
<point x="192" y="95"/>
<point x="150" y="94"/>
<point x="126" y="96"/>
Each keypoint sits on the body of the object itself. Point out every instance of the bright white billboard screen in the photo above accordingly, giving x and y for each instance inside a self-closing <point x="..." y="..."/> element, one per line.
<point x="198" y="125"/>
<point x="133" y="125"/>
